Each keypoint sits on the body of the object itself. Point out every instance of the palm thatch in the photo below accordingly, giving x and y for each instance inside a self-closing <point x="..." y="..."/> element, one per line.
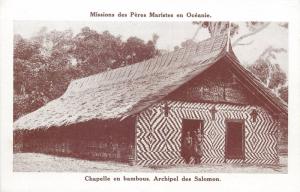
<point x="128" y="90"/>
<point x="124" y="91"/>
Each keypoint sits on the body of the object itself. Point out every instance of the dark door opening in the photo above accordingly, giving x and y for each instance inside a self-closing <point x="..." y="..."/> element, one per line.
<point x="191" y="140"/>
<point x="234" y="147"/>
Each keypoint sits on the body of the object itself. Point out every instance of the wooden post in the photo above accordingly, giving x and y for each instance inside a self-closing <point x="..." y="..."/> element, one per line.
<point x="132" y="155"/>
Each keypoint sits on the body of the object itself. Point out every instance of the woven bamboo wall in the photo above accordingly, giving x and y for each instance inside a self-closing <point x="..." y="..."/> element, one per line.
<point x="158" y="137"/>
<point x="93" y="150"/>
<point x="96" y="140"/>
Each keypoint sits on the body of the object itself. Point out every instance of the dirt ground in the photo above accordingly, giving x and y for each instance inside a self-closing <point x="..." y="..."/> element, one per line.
<point x="35" y="162"/>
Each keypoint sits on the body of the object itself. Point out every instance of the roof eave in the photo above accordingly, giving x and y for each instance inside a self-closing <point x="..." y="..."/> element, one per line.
<point x="279" y="106"/>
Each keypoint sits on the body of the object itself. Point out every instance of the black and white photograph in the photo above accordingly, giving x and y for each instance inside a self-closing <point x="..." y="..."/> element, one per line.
<point x="209" y="98"/>
<point x="102" y="95"/>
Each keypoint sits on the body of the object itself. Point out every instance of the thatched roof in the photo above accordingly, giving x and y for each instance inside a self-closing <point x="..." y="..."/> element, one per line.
<point x="128" y="90"/>
<point x="271" y="101"/>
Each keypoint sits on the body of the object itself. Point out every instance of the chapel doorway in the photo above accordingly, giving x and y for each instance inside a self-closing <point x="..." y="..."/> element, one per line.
<point x="235" y="139"/>
<point x="191" y="140"/>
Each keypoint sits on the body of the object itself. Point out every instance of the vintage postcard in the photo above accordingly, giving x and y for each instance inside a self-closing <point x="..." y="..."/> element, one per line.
<point x="99" y="97"/>
<point x="132" y="98"/>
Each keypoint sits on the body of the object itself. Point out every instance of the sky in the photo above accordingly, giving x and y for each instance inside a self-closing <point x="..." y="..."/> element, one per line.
<point x="171" y="34"/>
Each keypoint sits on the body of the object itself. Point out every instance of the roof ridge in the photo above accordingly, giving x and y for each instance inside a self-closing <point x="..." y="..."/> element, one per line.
<point x="112" y="95"/>
<point x="154" y="65"/>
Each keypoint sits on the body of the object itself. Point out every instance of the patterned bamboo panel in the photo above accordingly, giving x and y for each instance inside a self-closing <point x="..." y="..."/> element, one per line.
<point x="159" y="137"/>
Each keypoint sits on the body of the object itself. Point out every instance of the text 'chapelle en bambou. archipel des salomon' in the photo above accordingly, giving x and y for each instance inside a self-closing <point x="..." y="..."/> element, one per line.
<point x="154" y="178"/>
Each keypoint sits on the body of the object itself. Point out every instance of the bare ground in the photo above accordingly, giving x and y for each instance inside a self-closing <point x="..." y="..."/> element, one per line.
<point x="36" y="162"/>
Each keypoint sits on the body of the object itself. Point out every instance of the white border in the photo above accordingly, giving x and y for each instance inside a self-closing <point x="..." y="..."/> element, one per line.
<point x="260" y="10"/>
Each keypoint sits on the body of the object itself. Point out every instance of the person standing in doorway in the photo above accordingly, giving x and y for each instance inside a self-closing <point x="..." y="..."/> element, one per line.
<point x="197" y="146"/>
<point x="187" y="147"/>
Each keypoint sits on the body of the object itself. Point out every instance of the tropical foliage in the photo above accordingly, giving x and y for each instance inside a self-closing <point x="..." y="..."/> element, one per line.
<point x="45" y="64"/>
